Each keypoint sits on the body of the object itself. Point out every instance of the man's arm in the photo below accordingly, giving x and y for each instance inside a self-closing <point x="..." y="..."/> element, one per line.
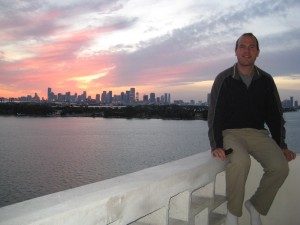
<point x="278" y="131"/>
<point x="274" y="115"/>
<point x="215" y="113"/>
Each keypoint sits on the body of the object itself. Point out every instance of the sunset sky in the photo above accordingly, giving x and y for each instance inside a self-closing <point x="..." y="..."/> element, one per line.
<point x="161" y="46"/>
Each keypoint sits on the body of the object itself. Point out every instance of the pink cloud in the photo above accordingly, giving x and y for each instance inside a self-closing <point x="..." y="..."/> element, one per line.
<point x="57" y="61"/>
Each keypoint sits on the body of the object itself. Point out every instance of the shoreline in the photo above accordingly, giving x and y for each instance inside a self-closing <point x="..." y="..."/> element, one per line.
<point x="173" y="112"/>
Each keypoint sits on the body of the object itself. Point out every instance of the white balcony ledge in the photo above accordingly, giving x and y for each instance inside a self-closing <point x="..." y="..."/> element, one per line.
<point x="186" y="191"/>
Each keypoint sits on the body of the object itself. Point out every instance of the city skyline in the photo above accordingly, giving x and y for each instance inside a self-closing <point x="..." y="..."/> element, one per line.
<point x="126" y="97"/>
<point x="108" y="97"/>
<point x="156" y="46"/>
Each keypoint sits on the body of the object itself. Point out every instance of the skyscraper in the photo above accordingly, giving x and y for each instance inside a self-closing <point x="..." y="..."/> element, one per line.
<point x="208" y="99"/>
<point x="166" y="98"/>
<point x="84" y="96"/>
<point x="103" y="97"/>
<point x="291" y="101"/>
<point x="145" y="99"/>
<point x="109" y="97"/>
<point x="127" y="97"/>
<point x="152" y="97"/>
<point x="97" y="98"/>
<point x="132" y="95"/>
<point x="50" y="95"/>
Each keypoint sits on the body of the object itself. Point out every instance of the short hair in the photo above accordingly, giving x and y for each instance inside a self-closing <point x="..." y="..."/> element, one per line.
<point x="250" y="35"/>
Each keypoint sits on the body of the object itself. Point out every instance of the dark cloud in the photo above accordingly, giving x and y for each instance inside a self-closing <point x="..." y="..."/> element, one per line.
<point x="37" y="18"/>
<point x="78" y="7"/>
<point x="282" y="62"/>
<point x="207" y="47"/>
<point x="280" y="53"/>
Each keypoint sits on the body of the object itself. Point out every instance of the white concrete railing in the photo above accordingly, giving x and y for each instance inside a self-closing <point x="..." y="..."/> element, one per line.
<point x="186" y="191"/>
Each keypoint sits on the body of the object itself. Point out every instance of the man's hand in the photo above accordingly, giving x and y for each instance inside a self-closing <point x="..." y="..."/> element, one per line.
<point x="289" y="155"/>
<point x="219" y="153"/>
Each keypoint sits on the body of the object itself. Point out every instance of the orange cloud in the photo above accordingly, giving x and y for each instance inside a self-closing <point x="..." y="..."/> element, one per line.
<point x="57" y="62"/>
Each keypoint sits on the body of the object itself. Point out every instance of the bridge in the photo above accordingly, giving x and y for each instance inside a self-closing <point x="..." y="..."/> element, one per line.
<point x="189" y="191"/>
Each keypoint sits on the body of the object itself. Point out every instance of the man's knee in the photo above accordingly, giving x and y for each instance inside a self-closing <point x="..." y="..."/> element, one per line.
<point x="284" y="169"/>
<point x="281" y="168"/>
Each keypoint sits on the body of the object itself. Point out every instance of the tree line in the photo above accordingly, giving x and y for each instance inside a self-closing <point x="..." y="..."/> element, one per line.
<point x="185" y="112"/>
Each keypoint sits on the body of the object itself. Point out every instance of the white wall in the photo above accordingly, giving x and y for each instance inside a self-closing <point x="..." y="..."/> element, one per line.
<point x="160" y="194"/>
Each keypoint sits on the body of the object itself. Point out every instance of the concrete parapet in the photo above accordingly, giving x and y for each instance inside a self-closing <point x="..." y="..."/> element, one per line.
<point x="186" y="191"/>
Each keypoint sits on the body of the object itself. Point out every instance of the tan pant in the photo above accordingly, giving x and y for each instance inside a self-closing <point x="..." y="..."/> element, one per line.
<point x="264" y="149"/>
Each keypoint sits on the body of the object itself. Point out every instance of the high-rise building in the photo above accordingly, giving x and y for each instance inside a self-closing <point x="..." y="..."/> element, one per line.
<point x="145" y="99"/>
<point x="84" y="97"/>
<point x="208" y="99"/>
<point x="50" y="95"/>
<point x="68" y="97"/>
<point x="132" y="95"/>
<point x="127" y="97"/>
<point x="152" y="97"/>
<point x="122" y="98"/>
<point x="36" y="98"/>
<point x="292" y="101"/>
<point x="109" y="97"/>
<point x="103" y="97"/>
<point x="97" y="98"/>
<point x="158" y="100"/>
<point x="162" y="99"/>
<point x="166" y="98"/>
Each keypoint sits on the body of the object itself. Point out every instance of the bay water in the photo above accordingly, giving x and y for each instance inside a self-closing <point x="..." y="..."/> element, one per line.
<point x="39" y="156"/>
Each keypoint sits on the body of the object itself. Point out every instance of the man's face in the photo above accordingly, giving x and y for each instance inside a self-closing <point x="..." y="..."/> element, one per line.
<point x="246" y="51"/>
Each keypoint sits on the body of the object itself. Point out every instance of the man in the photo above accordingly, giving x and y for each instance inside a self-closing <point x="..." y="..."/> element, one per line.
<point x="243" y="99"/>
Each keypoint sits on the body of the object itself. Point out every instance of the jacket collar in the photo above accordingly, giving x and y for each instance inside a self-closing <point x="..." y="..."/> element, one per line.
<point x="235" y="74"/>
